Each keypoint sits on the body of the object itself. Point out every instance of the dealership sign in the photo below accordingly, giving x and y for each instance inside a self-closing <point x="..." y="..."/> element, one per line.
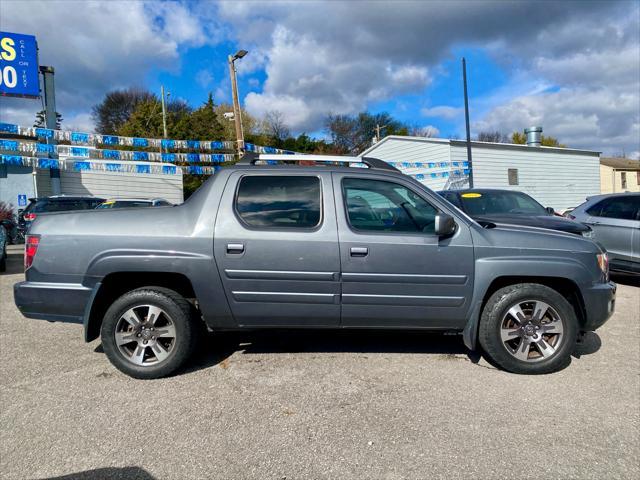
<point x="18" y="65"/>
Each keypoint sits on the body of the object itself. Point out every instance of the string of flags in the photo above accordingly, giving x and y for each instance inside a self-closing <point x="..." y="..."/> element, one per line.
<point x="96" y="139"/>
<point x="107" y="154"/>
<point x="84" y="165"/>
<point x="91" y="146"/>
<point x="86" y="147"/>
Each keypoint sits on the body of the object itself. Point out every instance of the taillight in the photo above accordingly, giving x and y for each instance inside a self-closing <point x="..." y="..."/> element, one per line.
<point x="30" y="249"/>
<point x="30" y="217"/>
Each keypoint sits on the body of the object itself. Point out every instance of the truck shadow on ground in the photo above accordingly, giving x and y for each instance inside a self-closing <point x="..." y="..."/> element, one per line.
<point x="628" y="279"/>
<point x="215" y="349"/>
<point x="108" y="473"/>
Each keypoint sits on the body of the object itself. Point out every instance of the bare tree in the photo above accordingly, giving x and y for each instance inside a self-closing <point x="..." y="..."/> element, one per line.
<point x="275" y="125"/>
<point x="116" y="108"/>
<point x="494" y="137"/>
<point x="427" y="132"/>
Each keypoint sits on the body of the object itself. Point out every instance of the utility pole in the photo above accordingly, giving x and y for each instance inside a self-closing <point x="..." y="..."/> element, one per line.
<point x="236" y="103"/>
<point x="164" y="115"/>
<point x="379" y="130"/>
<point x="466" y="118"/>
<point x="50" y="120"/>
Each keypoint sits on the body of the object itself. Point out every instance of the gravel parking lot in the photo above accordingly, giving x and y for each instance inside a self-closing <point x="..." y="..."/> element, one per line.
<point x="316" y="405"/>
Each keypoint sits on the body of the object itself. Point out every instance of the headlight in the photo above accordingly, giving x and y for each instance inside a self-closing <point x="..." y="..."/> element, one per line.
<point x="603" y="262"/>
<point x="587" y="233"/>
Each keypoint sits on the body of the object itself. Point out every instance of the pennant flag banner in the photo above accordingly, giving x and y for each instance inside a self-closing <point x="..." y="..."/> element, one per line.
<point x="88" y="165"/>
<point x="106" y="154"/>
<point x="94" y="139"/>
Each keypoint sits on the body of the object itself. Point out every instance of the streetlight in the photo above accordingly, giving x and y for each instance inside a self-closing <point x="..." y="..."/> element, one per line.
<point x="236" y="103"/>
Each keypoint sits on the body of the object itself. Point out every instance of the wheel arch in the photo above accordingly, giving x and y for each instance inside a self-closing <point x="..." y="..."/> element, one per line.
<point x="116" y="284"/>
<point x="567" y="287"/>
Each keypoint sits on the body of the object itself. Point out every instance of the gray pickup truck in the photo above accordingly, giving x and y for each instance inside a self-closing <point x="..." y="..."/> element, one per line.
<point x="325" y="245"/>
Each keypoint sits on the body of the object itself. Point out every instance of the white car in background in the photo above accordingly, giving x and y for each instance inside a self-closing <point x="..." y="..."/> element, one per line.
<point x="615" y="221"/>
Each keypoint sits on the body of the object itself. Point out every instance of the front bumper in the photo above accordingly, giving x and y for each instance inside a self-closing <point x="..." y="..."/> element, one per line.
<point x="55" y="302"/>
<point x="599" y="302"/>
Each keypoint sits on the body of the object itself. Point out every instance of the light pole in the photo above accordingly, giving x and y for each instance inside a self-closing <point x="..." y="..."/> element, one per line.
<point x="236" y="103"/>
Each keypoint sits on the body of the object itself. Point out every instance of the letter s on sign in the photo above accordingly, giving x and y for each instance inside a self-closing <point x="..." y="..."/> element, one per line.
<point x="8" y="53"/>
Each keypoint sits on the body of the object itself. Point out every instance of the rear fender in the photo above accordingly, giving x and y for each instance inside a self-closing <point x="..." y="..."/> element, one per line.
<point x="201" y="270"/>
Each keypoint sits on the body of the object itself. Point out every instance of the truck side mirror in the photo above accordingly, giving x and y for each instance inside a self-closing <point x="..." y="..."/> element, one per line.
<point x="444" y="224"/>
<point x="550" y="210"/>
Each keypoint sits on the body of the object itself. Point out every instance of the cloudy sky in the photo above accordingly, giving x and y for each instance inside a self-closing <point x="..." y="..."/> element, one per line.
<point x="572" y="67"/>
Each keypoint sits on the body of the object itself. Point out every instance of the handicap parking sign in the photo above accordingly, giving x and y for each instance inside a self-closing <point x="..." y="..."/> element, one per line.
<point x="22" y="200"/>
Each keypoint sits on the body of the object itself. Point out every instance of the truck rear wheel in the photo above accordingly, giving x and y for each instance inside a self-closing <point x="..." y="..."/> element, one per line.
<point x="528" y="328"/>
<point x="149" y="332"/>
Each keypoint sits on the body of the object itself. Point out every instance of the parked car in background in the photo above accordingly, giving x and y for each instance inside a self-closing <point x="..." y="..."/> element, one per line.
<point x="510" y="207"/>
<point x="615" y="220"/>
<point x="3" y="249"/>
<point x="291" y="246"/>
<point x="56" y="203"/>
<point x="134" y="203"/>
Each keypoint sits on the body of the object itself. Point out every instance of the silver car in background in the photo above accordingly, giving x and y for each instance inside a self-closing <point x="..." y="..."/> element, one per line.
<point x="615" y="220"/>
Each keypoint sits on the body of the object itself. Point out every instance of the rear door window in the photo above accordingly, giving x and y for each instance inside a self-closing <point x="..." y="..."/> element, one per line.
<point x="279" y="201"/>
<point x="620" y="208"/>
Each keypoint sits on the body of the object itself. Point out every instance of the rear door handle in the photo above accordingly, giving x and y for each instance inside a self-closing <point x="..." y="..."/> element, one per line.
<point x="359" y="251"/>
<point x="235" y="248"/>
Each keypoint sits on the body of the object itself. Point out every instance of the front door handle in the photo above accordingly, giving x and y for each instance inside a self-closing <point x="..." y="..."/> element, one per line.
<point x="235" y="248"/>
<point x="359" y="251"/>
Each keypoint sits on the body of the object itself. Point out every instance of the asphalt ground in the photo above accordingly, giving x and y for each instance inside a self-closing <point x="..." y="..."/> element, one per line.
<point x="316" y="405"/>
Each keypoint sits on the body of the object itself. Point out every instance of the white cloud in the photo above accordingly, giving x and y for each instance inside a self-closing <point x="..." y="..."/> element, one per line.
<point x="599" y="119"/>
<point x="204" y="78"/>
<point x="597" y="102"/>
<point x="306" y="80"/>
<point x="441" y="111"/>
<point x="99" y="46"/>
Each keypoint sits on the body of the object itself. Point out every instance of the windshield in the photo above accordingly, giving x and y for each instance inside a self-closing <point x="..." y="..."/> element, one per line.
<point x="62" y="205"/>
<point x="497" y="203"/>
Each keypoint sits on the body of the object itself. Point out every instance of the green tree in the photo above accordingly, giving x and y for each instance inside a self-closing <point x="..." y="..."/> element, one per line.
<point x="41" y="121"/>
<point x="146" y="120"/>
<point x="521" y="138"/>
<point x="203" y="123"/>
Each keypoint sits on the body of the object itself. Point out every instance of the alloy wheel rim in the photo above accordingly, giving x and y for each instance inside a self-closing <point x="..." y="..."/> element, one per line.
<point x="145" y="335"/>
<point x="532" y="331"/>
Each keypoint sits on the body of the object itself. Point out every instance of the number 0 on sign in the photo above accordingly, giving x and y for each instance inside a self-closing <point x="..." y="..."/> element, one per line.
<point x="18" y="65"/>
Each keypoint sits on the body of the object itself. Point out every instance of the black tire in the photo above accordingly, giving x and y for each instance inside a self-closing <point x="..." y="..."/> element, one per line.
<point x="3" y="261"/>
<point x="495" y="313"/>
<point x="175" y="307"/>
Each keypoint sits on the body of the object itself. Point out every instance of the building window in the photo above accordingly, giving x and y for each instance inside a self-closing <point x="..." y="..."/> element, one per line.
<point x="513" y="176"/>
<point x="279" y="201"/>
<point x="623" y="179"/>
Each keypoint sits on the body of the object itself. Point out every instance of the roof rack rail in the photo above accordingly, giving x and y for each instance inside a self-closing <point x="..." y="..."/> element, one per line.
<point x="250" y="158"/>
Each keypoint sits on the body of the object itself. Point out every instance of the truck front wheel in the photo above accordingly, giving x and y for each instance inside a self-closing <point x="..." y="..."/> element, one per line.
<point x="528" y="328"/>
<point x="148" y="333"/>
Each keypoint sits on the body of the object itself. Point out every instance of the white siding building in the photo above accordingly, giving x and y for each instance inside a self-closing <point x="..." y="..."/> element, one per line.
<point x="556" y="177"/>
<point x="125" y="184"/>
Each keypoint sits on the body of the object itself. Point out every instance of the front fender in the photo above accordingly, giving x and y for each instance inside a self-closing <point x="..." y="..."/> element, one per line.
<point x="525" y="269"/>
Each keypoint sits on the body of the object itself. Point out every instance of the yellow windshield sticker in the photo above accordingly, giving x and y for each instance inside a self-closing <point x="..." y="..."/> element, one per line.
<point x="471" y="195"/>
